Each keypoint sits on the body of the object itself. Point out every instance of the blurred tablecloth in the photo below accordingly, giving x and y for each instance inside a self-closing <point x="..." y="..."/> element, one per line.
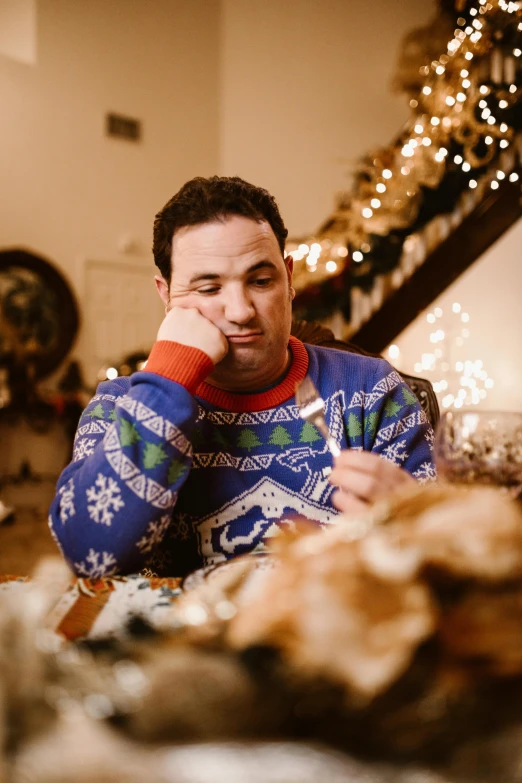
<point x="104" y="607"/>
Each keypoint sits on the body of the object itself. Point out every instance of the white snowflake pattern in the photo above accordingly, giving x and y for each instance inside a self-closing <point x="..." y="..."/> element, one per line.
<point x="67" y="509"/>
<point x="154" y="534"/>
<point x="425" y="473"/>
<point x="430" y="436"/>
<point x="96" y="565"/>
<point x="84" y="448"/>
<point x="395" y="452"/>
<point x="104" y="498"/>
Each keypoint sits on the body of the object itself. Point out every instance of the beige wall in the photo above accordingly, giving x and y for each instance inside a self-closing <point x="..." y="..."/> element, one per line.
<point x="490" y="292"/>
<point x="66" y="190"/>
<point x="306" y="89"/>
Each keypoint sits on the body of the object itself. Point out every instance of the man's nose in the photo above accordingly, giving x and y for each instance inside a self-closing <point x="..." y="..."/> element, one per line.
<point x="239" y="308"/>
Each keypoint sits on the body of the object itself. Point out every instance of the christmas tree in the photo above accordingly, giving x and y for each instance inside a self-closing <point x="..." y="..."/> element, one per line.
<point x="248" y="439"/>
<point x="153" y="455"/>
<point x="309" y="433"/>
<point x="176" y="470"/>
<point x="280" y="437"/>
<point x="391" y="408"/>
<point x="354" y="427"/>
<point x="128" y="433"/>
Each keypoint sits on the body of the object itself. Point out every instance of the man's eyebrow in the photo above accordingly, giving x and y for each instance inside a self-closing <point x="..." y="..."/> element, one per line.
<point x="215" y="276"/>
<point x="204" y="276"/>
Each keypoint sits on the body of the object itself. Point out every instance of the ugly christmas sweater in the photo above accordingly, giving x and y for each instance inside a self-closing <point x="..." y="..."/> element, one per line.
<point x="170" y="473"/>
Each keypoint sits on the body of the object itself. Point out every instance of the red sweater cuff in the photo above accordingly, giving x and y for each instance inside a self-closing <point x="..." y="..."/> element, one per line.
<point x="180" y="363"/>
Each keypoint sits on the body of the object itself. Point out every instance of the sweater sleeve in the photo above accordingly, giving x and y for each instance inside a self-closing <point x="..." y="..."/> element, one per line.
<point x="396" y="427"/>
<point x="132" y="455"/>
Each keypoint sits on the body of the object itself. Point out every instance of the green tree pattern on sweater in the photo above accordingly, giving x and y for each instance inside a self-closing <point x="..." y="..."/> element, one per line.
<point x="309" y="433"/>
<point x="248" y="439"/>
<point x="280" y="437"/>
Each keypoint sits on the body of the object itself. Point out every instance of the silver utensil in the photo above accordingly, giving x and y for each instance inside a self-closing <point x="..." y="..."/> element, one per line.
<point x="311" y="408"/>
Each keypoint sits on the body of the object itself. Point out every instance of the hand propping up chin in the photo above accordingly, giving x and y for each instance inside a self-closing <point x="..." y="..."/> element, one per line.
<point x="187" y="326"/>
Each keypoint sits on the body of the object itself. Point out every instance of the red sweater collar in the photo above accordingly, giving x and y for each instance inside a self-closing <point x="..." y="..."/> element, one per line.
<point x="240" y="403"/>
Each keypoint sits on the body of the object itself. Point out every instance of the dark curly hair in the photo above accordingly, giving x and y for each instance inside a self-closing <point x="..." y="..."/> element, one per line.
<point x="204" y="200"/>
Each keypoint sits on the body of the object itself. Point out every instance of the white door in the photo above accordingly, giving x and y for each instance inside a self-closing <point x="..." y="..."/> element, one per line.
<point x="122" y="313"/>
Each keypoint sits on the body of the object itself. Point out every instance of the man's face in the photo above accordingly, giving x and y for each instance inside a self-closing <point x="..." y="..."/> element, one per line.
<point x="233" y="272"/>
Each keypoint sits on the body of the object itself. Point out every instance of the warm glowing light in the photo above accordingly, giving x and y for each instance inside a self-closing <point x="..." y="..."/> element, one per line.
<point x="512" y="88"/>
<point x="517" y="52"/>
<point x="485" y="114"/>
<point x="489" y="140"/>
<point x="456" y="307"/>
<point x="419" y="128"/>
<point x="473" y="183"/>
<point x="503" y="127"/>
<point x="464" y="318"/>
<point x="367" y="212"/>
<point x="387" y="174"/>
<point x="450" y="100"/>
<point x="503" y="143"/>
<point x="483" y="89"/>
<point x="430" y="318"/>
<point x="466" y="166"/>
<point x="458" y="158"/>
<point x="380" y="187"/>
<point x="500" y="175"/>
<point x="393" y="351"/>
<point x="426" y="141"/>
<point x="426" y="90"/>
<point x="461" y="97"/>
<point x="466" y="83"/>
<point x="342" y="252"/>
<point x="407" y="151"/>
<point x="502" y="104"/>
<point x="513" y="177"/>
<point x="438" y="312"/>
<point x="435" y="121"/>
<point x="491" y="120"/>
<point x="111" y="373"/>
<point x="464" y="73"/>
<point x="375" y="203"/>
<point x="331" y="266"/>
<point x="357" y="256"/>
<point x="494" y="185"/>
<point x="468" y="56"/>
<point x="439" y="70"/>
<point x="405" y="170"/>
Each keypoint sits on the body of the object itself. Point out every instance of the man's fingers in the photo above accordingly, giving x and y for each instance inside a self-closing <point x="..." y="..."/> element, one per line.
<point x="348" y="503"/>
<point x="358" y="460"/>
<point x="361" y="484"/>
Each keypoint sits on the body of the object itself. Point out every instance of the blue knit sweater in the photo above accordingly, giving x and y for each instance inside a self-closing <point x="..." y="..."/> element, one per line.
<point x="169" y="473"/>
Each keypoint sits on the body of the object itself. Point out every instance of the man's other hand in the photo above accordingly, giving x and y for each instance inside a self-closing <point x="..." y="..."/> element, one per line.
<point x="362" y="478"/>
<point x="187" y="326"/>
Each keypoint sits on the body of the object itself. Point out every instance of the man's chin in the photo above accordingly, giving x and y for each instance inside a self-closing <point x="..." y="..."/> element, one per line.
<point x="240" y="368"/>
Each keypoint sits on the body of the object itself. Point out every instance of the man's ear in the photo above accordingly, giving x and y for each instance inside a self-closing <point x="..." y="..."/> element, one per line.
<point x="162" y="288"/>
<point x="289" y="264"/>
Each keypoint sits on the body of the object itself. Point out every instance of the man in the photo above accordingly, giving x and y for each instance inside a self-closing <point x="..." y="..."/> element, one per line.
<point x="203" y="455"/>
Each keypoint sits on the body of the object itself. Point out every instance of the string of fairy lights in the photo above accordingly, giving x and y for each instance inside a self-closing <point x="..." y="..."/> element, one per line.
<point x="463" y="119"/>
<point x="457" y="380"/>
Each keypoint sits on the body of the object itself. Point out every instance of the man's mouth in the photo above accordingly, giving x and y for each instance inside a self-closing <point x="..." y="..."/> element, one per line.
<point x="248" y="337"/>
